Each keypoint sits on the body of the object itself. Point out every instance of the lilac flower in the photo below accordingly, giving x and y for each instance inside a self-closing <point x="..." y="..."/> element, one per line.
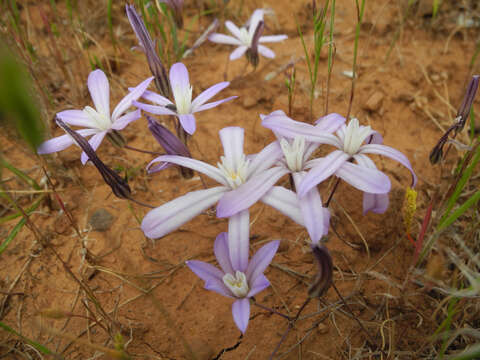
<point x="184" y="107"/>
<point x="353" y="142"/>
<point x="98" y="122"/>
<point x="232" y="282"/>
<point x="255" y="177"/>
<point x="293" y="157"/>
<point x="243" y="37"/>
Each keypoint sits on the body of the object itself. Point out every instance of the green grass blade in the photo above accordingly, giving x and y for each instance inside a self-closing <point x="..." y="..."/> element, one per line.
<point x="12" y="235"/>
<point x="472" y="201"/>
<point x="44" y="350"/>
<point x="28" y="211"/>
<point x="472" y="353"/>
<point x="20" y="174"/>
<point x="436" y="6"/>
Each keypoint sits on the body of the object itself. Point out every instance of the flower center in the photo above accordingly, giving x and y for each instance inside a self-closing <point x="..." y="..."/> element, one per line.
<point x="235" y="174"/>
<point x="355" y="135"/>
<point x="183" y="99"/>
<point x="237" y="284"/>
<point x="245" y="37"/>
<point x="101" y="121"/>
<point x="294" y="153"/>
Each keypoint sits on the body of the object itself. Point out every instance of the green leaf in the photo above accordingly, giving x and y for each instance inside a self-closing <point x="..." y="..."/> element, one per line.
<point x="472" y="201"/>
<point x="36" y="345"/>
<point x="12" y="235"/>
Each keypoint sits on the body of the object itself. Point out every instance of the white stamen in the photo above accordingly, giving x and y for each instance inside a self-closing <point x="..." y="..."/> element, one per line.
<point x="237" y="284"/>
<point x="183" y="99"/>
<point x="235" y="175"/>
<point x="355" y="135"/>
<point x="294" y="153"/>
<point x="101" y="121"/>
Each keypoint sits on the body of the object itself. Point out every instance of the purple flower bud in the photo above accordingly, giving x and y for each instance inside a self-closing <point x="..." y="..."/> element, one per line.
<point x="177" y="9"/>
<point x="119" y="186"/>
<point x="323" y="278"/>
<point x="252" y="52"/>
<point x="464" y="109"/>
<point x="148" y="47"/>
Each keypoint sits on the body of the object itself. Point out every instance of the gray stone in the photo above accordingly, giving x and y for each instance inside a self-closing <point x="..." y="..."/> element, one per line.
<point x="101" y="220"/>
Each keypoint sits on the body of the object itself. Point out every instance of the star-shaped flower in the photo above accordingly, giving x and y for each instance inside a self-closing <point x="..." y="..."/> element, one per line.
<point x="244" y="37"/>
<point x="97" y="122"/>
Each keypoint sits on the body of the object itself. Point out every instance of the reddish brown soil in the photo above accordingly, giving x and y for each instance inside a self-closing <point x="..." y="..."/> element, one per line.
<point x="428" y="67"/>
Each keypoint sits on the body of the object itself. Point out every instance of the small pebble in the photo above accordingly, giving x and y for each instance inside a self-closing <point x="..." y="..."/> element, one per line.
<point x="101" y="220"/>
<point x="374" y="102"/>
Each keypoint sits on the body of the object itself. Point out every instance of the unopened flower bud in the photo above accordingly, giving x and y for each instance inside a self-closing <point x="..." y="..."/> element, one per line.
<point x="252" y="52"/>
<point x="324" y="275"/>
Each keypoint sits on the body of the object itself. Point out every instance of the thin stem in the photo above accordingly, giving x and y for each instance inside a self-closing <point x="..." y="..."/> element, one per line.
<point x="142" y="151"/>
<point x="330" y="197"/>
<point x="273" y="311"/>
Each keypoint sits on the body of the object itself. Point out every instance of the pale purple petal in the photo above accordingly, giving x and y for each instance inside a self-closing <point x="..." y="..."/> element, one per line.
<point x="234" y="30"/>
<point x="272" y="38"/>
<point x="238" y="240"/>
<point x="99" y="91"/>
<point x="208" y="94"/>
<point x="224" y="39"/>
<point x="323" y="169"/>
<point x="212" y="276"/>
<point x="260" y="261"/>
<point x="232" y="138"/>
<point x="213" y="104"/>
<point x="285" y="201"/>
<point x="376" y="203"/>
<point x="249" y="193"/>
<point x="153" y="109"/>
<point x="289" y="128"/>
<point x="260" y="284"/>
<point x="94" y="142"/>
<point x="374" y="138"/>
<point x="155" y="98"/>
<point x="60" y="143"/>
<point x="364" y="179"/>
<point x="312" y="210"/>
<point x="197" y="165"/>
<point x="238" y="52"/>
<point x="133" y="95"/>
<point x="269" y="155"/>
<point x="391" y="153"/>
<point x="330" y="123"/>
<point x="256" y="17"/>
<point x="241" y="313"/>
<point x="179" y="77"/>
<point x="222" y="254"/>
<point x="265" y="51"/>
<point x="188" y="122"/>
<point x="76" y="118"/>
<point x="168" y="217"/>
<point x="126" y="119"/>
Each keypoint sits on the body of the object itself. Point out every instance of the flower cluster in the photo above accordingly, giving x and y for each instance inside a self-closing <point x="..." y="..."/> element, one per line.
<point x="242" y="179"/>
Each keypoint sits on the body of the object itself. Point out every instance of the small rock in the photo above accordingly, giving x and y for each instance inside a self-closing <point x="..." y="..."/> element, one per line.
<point x="101" y="220"/>
<point x="249" y="102"/>
<point x="374" y="102"/>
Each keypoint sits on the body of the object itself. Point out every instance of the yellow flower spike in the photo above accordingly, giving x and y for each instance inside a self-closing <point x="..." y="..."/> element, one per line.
<point x="409" y="208"/>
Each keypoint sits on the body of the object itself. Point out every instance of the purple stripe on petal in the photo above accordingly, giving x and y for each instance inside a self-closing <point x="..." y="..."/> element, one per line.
<point x="376" y="203"/>
<point x="238" y="240"/>
<point x="170" y="216"/>
<point x="241" y="313"/>
<point x="133" y="95"/>
<point x="188" y="123"/>
<point x="222" y="254"/>
<point x="265" y="51"/>
<point x="272" y="38"/>
<point x="208" y="94"/>
<point x="197" y="165"/>
<point x="224" y="39"/>
<point x="260" y="284"/>
<point x="126" y="119"/>
<point x="153" y="109"/>
<point x="392" y="154"/>
<point x="285" y="201"/>
<point x="260" y="261"/>
<point x="365" y="179"/>
<point x="312" y="210"/>
<point x="212" y="276"/>
<point x="155" y="98"/>
<point x="60" y="143"/>
<point x="219" y="288"/>
<point x="99" y="91"/>
<point x="323" y="169"/>
<point x="213" y="104"/>
<point x="238" y="52"/>
<point x="94" y="142"/>
<point x="76" y="118"/>
<point x="249" y="193"/>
